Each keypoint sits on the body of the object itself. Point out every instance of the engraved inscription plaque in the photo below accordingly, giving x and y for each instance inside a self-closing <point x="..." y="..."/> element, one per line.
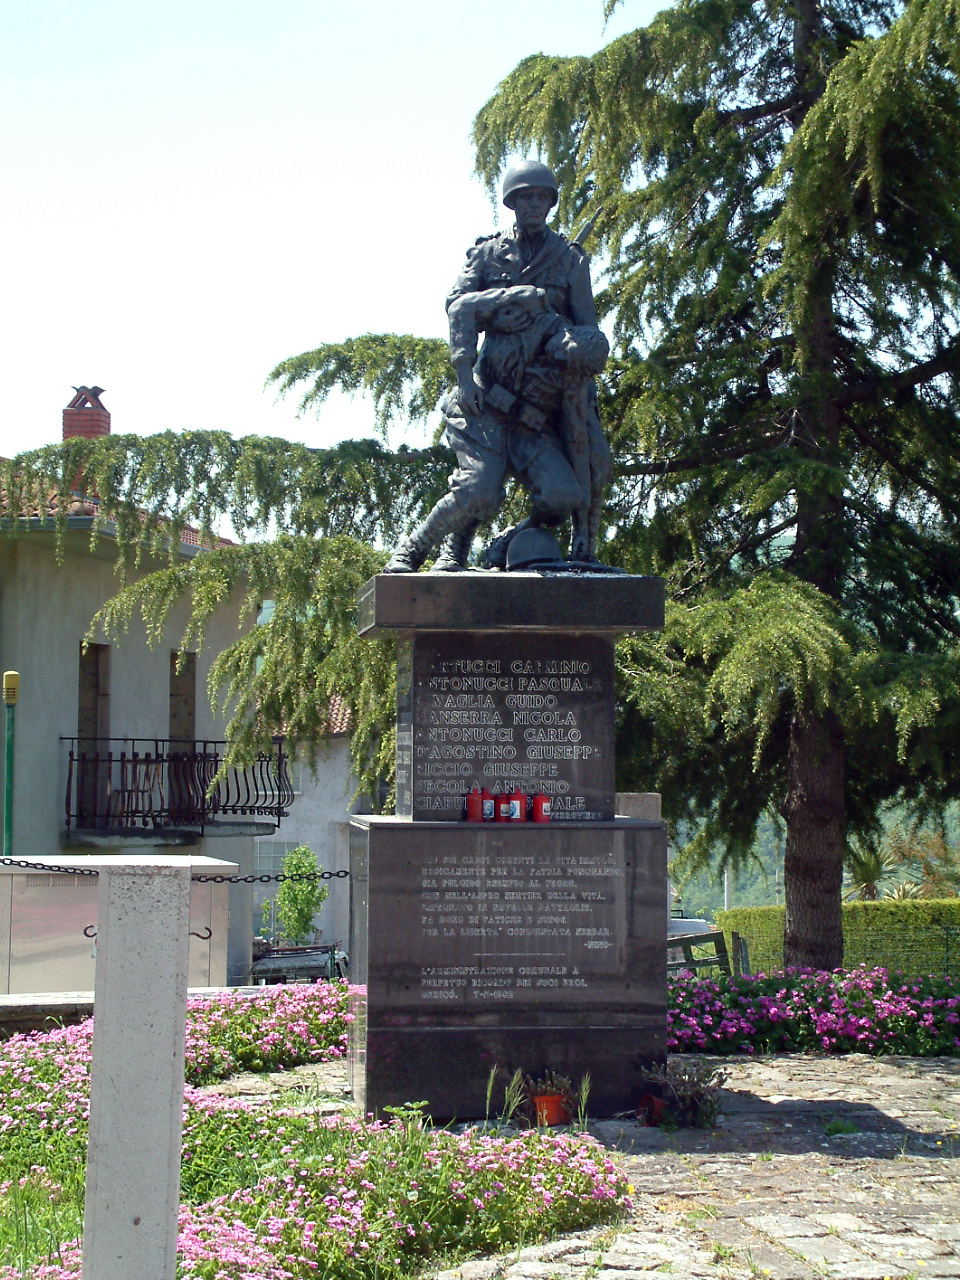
<point x="505" y="712"/>
<point x="539" y="924"/>
<point x="404" y="757"/>
<point x="506" y="945"/>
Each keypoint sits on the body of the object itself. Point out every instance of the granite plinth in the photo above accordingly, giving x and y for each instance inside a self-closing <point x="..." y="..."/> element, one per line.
<point x="505" y="712"/>
<point x="509" y="601"/>
<point x="510" y="946"/>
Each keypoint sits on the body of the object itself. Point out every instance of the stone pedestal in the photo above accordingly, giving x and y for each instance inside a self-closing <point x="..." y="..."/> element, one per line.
<point x="505" y="945"/>
<point x="589" y="604"/>
<point x="539" y="947"/>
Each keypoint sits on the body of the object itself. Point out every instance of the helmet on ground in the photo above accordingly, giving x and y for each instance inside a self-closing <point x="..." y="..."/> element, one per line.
<point x="533" y="546"/>
<point x="526" y="174"/>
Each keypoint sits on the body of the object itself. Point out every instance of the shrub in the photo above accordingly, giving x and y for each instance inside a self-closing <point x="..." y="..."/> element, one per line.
<point x="298" y="901"/>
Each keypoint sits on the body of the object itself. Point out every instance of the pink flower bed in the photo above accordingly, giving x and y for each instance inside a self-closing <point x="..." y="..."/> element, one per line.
<point x="859" y="1011"/>
<point x="272" y="1194"/>
<point x="359" y="1199"/>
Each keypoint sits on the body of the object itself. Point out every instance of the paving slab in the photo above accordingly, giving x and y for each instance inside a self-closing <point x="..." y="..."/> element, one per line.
<point x="771" y="1191"/>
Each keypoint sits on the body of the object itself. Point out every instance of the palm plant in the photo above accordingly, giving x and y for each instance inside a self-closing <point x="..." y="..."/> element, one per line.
<point x="866" y="870"/>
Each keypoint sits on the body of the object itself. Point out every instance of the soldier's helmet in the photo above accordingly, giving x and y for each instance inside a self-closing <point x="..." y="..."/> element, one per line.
<point x="525" y="174"/>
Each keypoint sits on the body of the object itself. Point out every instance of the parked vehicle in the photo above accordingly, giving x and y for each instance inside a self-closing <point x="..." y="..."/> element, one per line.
<point x="278" y="965"/>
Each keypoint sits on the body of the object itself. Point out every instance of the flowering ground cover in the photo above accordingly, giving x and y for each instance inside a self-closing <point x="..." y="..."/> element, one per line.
<point x="269" y="1193"/>
<point x="859" y="1011"/>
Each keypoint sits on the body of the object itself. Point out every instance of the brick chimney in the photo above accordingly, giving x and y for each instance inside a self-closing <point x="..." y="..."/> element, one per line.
<point x="85" y="415"/>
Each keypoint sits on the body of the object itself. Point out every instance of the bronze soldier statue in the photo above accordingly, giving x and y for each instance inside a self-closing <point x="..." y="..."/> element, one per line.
<point x="526" y="402"/>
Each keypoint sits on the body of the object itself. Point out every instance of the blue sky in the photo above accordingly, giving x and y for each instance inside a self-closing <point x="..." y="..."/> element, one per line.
<point x="193" y="191"/>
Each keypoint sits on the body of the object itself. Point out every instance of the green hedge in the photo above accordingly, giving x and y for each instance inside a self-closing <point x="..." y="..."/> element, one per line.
<point x="917" y="937"/>
<point x="762" y="927"/>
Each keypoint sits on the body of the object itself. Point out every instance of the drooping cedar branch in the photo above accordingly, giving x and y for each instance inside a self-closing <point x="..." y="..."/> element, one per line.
<point x="947" y="361"/>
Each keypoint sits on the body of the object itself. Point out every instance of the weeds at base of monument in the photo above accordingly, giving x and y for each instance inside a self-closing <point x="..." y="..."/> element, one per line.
<point x="681" y="1095"/>
<point x="543" y="1101"/>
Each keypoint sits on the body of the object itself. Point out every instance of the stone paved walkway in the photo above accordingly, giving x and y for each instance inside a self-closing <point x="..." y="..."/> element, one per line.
<point x="775" y="1190"/>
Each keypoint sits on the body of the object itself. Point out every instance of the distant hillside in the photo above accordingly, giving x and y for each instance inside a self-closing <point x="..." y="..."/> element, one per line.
<point x="756" y="886"/>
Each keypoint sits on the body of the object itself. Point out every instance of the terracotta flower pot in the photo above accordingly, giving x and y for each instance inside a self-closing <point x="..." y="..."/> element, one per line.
<point x="652" y="1110"/>
<point x="550" y="1108"/>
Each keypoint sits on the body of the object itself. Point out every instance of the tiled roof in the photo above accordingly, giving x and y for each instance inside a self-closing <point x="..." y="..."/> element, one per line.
<point x="80" y="505"/>
<point x="340" y="720"/>
<point x="83" y="505"/>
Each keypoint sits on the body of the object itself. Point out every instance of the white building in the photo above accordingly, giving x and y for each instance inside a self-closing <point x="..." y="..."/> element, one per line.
<point x="115" y="746"/>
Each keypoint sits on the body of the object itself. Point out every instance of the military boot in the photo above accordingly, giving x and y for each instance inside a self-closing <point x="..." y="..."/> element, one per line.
<point x="455" y="549"/>
<point x="593" y="529"/>
<point x="495" y="553"/>
<point x="580" y="538"/>
<point x="445" y="518"/>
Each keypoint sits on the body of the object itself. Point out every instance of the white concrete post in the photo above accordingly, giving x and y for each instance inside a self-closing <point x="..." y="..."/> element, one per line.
<point x="136" y="1073"/>
<point x="136" y="1077"/>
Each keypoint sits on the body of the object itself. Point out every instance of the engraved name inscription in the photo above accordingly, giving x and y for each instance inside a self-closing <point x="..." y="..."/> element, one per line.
<point x="507" y="713"/>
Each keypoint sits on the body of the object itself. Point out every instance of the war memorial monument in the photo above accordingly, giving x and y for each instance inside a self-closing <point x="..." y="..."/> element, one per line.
<point x="506" y="917"/>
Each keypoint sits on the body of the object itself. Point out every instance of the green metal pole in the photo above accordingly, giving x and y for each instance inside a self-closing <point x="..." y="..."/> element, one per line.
<point x="11" y="691"/>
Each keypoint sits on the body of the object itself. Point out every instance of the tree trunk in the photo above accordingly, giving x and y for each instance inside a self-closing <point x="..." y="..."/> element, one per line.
<point x="813" y="859"/>
<point x="814" y="806"/>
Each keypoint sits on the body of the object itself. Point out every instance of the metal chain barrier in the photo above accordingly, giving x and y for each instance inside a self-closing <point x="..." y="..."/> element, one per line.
<point x="255" y="879"/>
<point x="42" y="866"/>
<point x="306" y="875"/>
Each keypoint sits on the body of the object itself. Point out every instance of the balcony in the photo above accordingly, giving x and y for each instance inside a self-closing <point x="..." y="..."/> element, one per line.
<point x="161" y="791"/>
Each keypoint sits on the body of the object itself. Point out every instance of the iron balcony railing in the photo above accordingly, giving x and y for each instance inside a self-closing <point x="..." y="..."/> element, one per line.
<point x="149" y="783"/>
